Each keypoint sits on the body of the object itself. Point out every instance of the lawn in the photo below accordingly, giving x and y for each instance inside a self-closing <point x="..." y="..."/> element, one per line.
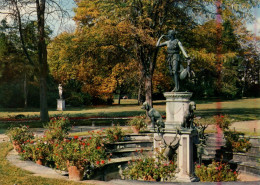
<point x="10" y="174"/>
<point x="239" y="110"/>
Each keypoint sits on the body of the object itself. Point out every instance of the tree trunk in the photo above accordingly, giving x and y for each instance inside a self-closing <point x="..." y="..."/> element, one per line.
<point x="219" y="46"/>
<point x="140" y="90"/>
<point x="42" y="57"/>
<point x="25" y="91"/>
<point x="148" y="89"/>
<point x="119" y="96"/>
<point x="148" y="62"/>
<point x="139" y="94"/>
<point x="44" y="115"/>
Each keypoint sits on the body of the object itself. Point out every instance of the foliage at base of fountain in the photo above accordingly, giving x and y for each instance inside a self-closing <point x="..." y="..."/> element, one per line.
<point x="148" y="168"/>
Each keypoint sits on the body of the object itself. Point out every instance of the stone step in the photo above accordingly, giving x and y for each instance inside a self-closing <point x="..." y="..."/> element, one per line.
<point x="215" y="134"/>
<point x="247" y="167"/>
<point x="254" y="150"/>
<point x="215" y="142"/>
<point x="138" y="137"/>
<point x="215" y="137"/>
<point x="209" y="148"/>
<point x="130" y="144"/>
<point x="128" y="152"/>
<point x="254" y="140"/>
<point x="245" y="157"/>
<point x="120" y="160"/>
<point x="214" y="150"/>
<point x="217" y="156"/>
<point x="208" y="157"/>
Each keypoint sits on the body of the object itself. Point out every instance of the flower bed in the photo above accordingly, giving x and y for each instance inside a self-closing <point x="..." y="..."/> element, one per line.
<point x="19" y="136"/>
<point x="237" y="143"/>
<point x="57" y="150"/>
<point x="215" y="172"/>
<point x="149" y="168"/>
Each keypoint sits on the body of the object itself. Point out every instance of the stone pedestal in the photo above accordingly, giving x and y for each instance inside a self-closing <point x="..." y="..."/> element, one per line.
<point x="185" y="157"/>
<point x="60" y="104"/>
<point x="177" y="108"/>
<point x="185" y="161"/>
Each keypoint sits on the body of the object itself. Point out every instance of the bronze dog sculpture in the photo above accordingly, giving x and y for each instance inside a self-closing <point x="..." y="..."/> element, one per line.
<point x="154" y="115"/>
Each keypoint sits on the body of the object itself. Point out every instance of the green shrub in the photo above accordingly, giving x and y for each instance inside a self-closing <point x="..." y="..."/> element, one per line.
<point x="236" y="143"/>
<point x="84" y="153"/>
<point x="215" y="172"/>
<point x="223" y="121"/>
<point x="20" y="135"/>
<point x="149" y="168"/>
<point x="37" y="150"/>
<point x="138" y="122"/>
<point x="57" y="129"/>
<point x="114" y="134"/>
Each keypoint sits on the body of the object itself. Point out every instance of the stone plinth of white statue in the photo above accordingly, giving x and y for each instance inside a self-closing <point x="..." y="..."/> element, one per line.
<point x="60" y="104"/>
<point x="177" y="109"/>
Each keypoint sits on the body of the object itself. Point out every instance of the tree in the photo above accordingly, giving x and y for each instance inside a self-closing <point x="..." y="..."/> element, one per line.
<point x="142" y="22"/>
<point x="16" y="70"/>
<point x="14" y="9"/>
<point x="94" y="58"/>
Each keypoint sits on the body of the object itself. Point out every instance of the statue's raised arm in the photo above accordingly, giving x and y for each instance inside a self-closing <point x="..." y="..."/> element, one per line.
<point x="159" y="44"/>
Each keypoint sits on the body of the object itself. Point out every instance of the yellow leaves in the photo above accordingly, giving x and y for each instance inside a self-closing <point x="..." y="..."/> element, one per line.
<point x="87" y="12"/>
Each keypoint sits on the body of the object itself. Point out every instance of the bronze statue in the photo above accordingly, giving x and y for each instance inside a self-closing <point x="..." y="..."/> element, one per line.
<point x="155" y="117"/>
<point x="174" y="47"/>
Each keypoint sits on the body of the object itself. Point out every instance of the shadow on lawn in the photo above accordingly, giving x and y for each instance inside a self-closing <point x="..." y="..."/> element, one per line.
<point x="236" y="113"/>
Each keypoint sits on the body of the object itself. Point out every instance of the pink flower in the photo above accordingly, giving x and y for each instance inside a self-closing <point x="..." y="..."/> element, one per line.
<point x="198" y="166"/>
<point x="97" y="162"/>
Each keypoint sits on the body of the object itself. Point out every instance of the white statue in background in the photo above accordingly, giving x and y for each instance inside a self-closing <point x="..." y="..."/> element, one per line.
<point x="60" y="91"/>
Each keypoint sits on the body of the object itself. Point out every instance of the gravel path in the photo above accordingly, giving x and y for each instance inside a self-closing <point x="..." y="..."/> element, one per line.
<point x="242" y="126"/>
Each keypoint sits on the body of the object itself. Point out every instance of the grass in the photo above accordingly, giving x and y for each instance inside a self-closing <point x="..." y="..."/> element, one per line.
<point x="239" y="110"/>
<point x="10" y="174"/>
<point x="242" y="109"/>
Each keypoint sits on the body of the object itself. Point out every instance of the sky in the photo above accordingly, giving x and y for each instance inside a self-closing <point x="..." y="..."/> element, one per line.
<point x="69" y="25"/>
<point x="254" y="27"/>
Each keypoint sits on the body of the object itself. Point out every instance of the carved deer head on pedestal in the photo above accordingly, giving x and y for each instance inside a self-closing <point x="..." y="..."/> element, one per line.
<point x="170" y="148"/>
